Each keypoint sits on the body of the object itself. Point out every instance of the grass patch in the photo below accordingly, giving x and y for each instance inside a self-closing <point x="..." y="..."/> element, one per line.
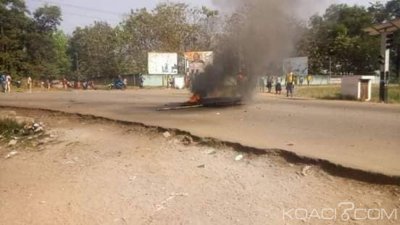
<point x="393" y="93"/>
<point x="319" y="92"/>
<point x="332" y="92"/>
<point x="10" y="127"/>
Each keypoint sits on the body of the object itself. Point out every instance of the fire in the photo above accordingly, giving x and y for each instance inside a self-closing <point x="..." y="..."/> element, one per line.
<point x="194" y="99"/>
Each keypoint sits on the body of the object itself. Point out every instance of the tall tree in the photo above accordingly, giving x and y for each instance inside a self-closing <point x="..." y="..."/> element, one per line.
<point x="13" y="25"/>
<point x="94" y="51"/>
<point x="41" y="45"/>
<point x="336" y="40"/>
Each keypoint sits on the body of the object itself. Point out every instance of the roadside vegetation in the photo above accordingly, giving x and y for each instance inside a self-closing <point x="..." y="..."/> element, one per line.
<point x="32" y="43"/>
<point x="9" y="128"/>
<point x="332" y="92"/>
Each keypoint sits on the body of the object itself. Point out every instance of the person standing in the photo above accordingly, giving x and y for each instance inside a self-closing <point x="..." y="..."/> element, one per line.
<point x="125" y="82"/>
<point x="309" y="79"/>
<point x="289" y="85"/>
<point x="278" y="86"/>
<point x="29" y="84"/>
<point x="8" y="83"/>
<point x="3" y="82"/>
<point x="48" y="84"/>
<point x="269" y="84"/>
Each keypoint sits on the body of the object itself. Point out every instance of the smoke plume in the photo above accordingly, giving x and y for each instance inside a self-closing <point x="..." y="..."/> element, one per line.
<point x="258" y="35"/>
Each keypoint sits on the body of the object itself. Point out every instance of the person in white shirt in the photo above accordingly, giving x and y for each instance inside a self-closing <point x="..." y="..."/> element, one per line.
<point x="8" y="83"/>
<point x="29" y="83"/>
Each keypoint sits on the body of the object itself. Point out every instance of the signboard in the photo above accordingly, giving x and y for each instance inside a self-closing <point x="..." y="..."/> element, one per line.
<point x="298" y="66"/>
<point x="162" y="63"/>
<point x="196" y="62"/>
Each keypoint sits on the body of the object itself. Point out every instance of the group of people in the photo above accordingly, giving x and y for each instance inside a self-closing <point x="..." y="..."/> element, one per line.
<point x="5" y="80"/>
<point x="290" y="81"/>
<point x="271" y="82"/>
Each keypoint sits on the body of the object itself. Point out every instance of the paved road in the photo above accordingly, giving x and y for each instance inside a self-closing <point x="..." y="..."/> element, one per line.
<point x="359" y="135"/>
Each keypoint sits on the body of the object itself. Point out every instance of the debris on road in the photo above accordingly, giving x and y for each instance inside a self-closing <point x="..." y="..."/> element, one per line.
<point x="185" y="140"/>
<point x="11" y="154"/>
<point x="210" y="151"/>
<point x="239" y="157"/>
<point x="12" y="142"/>
<point x="167" y="134"/>
<point x="173" y="195"/>
<point x="306" y="170"/>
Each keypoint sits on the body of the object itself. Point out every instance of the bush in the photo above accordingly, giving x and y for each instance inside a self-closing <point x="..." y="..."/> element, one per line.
<point x="10" y="127"/>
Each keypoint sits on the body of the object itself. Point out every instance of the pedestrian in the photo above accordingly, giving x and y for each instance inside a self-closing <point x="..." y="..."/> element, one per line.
<point x="278" y="87"/>
<point x="289" y="85"/>
<point x="3" y="82"/>
<point x="29" y="84"/>
<point x="8" y="83"/>
<point x="48" y="84"/>
<point x="125" y="82"/>
<point x="172" y="82"/>
<point x="269" y="84"/>
<point x="141" y="80"/>
<point x="309" y="79"/>
<point x="64" y="83"/>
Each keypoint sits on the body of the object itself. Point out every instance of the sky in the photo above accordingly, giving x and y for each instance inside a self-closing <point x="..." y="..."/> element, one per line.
<point x="85" y="12"/>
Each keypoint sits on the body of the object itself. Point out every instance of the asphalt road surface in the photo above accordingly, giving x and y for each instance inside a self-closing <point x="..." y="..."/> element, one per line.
<point x="359" y="135"/>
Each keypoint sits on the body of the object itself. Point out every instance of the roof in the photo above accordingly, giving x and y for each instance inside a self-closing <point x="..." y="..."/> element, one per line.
<point x="387" y="27"/>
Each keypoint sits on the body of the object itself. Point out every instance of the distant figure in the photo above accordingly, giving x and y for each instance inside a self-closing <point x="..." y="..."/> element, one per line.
<point x="3" y="82"/>
<point x="42" y="85"/>
<point x="172" y="82"/>
<point x="141" y="80"/>
<point x="48" y="84"/>
<point x="309" y="79"/>
<point x="125" y="82"/>
<point x="289" y="85"/>
<point x="168" y="81"/>
<point x="64" y="83"/>
<point x="29" y="84"/>
<point x="269" y="84"/>
<point x="8" y="83"/>
<point x="301" y="80"/>
<point x="278" y="87"/>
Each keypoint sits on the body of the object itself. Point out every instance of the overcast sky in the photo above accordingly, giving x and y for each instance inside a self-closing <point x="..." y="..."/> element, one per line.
<point x="84" y="12"/>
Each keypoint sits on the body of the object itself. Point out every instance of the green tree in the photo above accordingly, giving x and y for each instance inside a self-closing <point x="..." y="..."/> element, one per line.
<point x="41" y="45"/>
<point x="337" y="38"/>
<point x="94" y="51"/>
<point x="13" y="25"/>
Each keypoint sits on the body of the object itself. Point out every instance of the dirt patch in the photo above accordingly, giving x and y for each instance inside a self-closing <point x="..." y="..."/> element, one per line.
<point x="104" y="172"/>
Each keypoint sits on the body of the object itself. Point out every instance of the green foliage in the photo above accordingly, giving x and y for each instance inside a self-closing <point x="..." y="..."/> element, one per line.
<point x="94" y="51"/>
<point x="9" y="127"/>
<point x="27" y="46"/>
<point x="33" y="45"/>
<point x="338" y="37"/>
<point x="47" y="18"/>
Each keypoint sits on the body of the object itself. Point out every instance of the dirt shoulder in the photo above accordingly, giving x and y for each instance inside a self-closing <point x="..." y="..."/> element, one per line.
<point x="101" y="172"/>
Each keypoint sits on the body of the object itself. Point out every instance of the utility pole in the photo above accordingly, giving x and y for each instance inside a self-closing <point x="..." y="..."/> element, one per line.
<point x="384" y="68"/>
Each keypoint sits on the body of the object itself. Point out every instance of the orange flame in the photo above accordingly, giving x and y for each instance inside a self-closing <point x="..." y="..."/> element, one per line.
<point x="194" y="99"/>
